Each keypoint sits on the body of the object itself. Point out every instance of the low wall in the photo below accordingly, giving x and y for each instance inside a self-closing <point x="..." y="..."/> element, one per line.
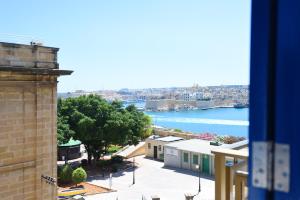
<point x="164" y="133"/>
<point x="141" y="150"/>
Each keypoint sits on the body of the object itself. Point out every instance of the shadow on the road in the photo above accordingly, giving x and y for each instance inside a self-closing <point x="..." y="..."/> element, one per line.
<point x="149" y="158"/>
<point x="182" y="171"/>
<point x="189" y="172"/>
<point x="105" y="176"/>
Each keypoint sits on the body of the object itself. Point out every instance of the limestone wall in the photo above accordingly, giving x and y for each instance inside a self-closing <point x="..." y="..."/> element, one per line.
<point x="164" y="133"/>
<point x="28" y="56"/>
<point x="27" y="127"/>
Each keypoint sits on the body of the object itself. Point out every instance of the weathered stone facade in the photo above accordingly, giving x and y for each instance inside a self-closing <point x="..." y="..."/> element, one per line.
<point x="28" y="149"/>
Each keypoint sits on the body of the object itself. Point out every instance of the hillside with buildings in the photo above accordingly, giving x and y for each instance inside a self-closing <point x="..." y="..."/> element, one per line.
<point x="176" y="98"/>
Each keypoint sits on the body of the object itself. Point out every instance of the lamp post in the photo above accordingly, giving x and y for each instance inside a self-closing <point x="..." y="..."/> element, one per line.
<point x="133" y="164"/>
<point x="199" y="173"/>
<point x="133" y="174"/>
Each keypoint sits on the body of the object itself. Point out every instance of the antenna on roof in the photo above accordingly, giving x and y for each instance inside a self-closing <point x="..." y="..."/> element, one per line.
<point x="36" y="42"/>
<point x="21" y="38"/>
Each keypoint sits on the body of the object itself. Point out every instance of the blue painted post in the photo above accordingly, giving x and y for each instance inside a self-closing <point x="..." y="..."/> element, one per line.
<point x="275" y="98"/>
<point x="262" y="93"/>
<point x="287" y="165"/>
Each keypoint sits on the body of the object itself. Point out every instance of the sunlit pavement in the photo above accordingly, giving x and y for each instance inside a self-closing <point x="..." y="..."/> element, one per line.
<point x="151" y="178"/>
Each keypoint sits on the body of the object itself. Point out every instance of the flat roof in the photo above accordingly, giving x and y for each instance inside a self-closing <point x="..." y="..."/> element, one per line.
<point x="169" y="139"/>
<point x="232" y="153"/>
<point x="153" y="137"/>
<point x="236" y="145"/>
<point x="17" y="45"/>
<point x="194" y="145"/>
<point x="71" y="142"/>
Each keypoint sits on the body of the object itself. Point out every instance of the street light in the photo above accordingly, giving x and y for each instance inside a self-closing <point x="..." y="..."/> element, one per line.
<point x="133" y="162"/>
<point x="133" y="175"/>
<point x="199" y="173"/>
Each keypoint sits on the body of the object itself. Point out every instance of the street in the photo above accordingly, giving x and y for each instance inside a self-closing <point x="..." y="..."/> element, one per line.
<point x="152" y="178"/>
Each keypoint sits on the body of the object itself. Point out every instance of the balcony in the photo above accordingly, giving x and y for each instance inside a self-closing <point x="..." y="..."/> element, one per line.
<point x="231" y="174"/>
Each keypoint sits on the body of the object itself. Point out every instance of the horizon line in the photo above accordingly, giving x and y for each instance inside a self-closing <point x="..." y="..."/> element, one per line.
<point x="155" y="88"/>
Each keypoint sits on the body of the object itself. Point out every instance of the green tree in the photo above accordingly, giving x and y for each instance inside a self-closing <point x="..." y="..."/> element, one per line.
<point x="138" y="123"/>
<point x="99" y="124"/>
<point x="64" y="133"/>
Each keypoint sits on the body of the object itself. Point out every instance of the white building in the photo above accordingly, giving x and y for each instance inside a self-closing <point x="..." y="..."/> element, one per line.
<point x="186" y="96"/>
<point x="199" y="96"/>
<point x="155" y="145"/>
<point x="190" y="154"/>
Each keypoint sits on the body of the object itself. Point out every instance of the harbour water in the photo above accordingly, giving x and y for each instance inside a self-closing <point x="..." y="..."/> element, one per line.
<point x="221" y="121"/>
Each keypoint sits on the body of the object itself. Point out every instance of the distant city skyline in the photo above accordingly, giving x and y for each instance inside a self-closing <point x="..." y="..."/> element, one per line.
<point x="118" y="89"/>
<point x="137" y="44"/>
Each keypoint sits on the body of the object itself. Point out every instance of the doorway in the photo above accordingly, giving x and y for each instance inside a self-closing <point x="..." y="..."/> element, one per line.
<point x="205" y="164"/>
<point x="155" y="152"/>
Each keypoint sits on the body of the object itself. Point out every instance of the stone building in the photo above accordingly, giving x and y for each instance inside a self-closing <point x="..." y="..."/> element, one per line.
<point x="28" y="148"/>
<point x="155" y="145"/>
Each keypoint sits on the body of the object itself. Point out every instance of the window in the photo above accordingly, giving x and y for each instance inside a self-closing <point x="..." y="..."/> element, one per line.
<point x="195" y="160"/>
<point x="185" y="157"/>
<point x="161" y="156"/>
<point x="149" y="145"/>
<point x="159" y="147"/>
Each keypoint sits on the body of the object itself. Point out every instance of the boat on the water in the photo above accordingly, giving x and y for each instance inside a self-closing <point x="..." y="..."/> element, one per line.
<point x="240" y="105"/>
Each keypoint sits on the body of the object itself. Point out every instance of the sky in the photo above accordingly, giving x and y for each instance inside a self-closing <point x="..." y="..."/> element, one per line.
<point x="116" y="44"/>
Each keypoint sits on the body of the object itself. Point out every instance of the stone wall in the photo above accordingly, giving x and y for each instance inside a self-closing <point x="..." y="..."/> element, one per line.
<point x="163" y="133"/>
<point x="28" y="146"/>
<point x="28" y="56"/>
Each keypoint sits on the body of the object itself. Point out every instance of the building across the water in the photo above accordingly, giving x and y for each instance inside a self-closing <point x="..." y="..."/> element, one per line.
<point x="155" y="145"/>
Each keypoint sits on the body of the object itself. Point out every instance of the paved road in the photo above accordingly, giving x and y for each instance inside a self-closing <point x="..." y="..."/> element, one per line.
<point x="153" y="179"/>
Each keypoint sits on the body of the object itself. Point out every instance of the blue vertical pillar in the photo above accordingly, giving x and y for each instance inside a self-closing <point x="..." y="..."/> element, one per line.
<point x="287" y="121"/>
<point x="262" y="98"/>
<point x="274" y="100"/>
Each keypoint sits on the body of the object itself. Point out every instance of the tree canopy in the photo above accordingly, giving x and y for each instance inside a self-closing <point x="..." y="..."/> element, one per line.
<point x="99" y="124"/>
<point x="64" y="133"/>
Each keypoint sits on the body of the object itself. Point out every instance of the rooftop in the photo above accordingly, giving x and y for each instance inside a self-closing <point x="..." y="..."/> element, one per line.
<point x="203" y="146"/>
<point x="237" y="145"/>
<point x="165" y="139"/>
<point x="169" y="139"/>
<point x="194" y="145"/>
<point x="30" y="59"/>
<point x="71" y="143"/>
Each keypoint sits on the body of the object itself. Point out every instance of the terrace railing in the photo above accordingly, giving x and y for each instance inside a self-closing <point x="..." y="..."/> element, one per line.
<point x="230" y="174"/>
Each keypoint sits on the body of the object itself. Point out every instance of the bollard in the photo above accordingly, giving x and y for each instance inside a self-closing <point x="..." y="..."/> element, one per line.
<point x="155" y="197"/>
<point x="189" y="196"/>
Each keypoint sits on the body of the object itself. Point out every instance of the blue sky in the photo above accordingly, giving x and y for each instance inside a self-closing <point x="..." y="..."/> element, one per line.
<point x="137" y="43"/>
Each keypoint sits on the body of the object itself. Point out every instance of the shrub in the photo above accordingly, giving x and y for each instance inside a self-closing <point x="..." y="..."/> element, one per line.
<point x="59" y="169"/>
<point x="178" y="130"/>
<point x="113" y="149"/>
<point x="117" y="159"/>
<point x="79" y="175"/>
<point x="66" y="174"/>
